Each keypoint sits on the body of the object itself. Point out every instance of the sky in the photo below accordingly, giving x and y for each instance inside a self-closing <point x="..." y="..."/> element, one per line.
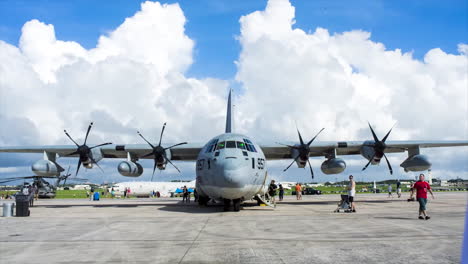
<point x="131" y="65"/>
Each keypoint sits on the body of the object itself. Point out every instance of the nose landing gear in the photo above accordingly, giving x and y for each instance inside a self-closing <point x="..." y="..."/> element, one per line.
<point x="235" y="204"/>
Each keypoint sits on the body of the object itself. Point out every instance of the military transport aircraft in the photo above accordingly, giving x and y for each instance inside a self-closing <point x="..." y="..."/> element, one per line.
<point x="231" y="167"/>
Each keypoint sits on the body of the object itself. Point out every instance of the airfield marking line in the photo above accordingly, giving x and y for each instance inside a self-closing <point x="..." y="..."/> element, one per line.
<point x="195" y="239"/>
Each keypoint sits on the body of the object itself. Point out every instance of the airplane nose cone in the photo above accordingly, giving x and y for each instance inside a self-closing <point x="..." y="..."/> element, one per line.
<point x="230" y="171"/>
<point x="230" y="164"/>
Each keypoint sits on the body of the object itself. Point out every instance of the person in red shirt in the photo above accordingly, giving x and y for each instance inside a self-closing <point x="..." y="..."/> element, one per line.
<point x="421" y="188"/>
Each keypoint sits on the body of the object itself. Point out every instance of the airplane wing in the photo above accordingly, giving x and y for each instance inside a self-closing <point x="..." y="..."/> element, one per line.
<point x="274" y="151"/>
<point x="187" y="152"/>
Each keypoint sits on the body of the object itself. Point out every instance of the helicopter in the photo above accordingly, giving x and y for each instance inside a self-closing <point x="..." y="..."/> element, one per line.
<point x="45" y="188"/>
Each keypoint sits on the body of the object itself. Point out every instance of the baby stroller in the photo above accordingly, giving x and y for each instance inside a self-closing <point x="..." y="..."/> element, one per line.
<point x="344" y="205"/>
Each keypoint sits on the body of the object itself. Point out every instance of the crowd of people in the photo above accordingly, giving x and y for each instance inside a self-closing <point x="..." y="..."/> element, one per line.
<point x="418" y="189"/>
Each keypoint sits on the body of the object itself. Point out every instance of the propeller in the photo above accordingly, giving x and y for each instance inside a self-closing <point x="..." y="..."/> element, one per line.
<point x="379" y="147"/>
<point x="304" y="150"/>
<point x="84" y="150"/>
<point x="65" y="176"/>
<point x="159" y="152"/>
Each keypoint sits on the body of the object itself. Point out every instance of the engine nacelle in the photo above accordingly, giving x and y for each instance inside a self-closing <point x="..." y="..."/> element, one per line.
<point x="130" y="169"/>
<point x="416" y="163"/>
<point x="333" y="166"/>
<point x="46" y="168"/>
<point x="369" y="152"/>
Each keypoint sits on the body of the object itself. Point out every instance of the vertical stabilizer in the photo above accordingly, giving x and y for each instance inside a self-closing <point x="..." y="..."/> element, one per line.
<point x="229" y="115"/>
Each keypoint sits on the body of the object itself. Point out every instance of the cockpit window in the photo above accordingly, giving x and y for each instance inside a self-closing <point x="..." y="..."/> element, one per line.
<point x="211" y="146"/>
<point x="253" y="148"/>
<point x="249" y="145"/>
<point x="230" y="144"/>
<point x="240" y="145"/>
<point x="220" y="145"/>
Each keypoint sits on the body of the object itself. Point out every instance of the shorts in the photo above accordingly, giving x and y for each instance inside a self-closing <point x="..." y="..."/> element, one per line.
<point x="422" y="203"/>
<point x="350" y="199"/>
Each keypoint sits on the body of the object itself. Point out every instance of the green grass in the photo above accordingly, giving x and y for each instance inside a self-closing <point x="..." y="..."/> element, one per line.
<point x="81" y="194"/>
<point x="70" y="194"/>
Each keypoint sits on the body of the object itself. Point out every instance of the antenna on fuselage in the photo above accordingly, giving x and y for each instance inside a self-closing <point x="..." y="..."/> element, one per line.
<point x="229" y="114"/>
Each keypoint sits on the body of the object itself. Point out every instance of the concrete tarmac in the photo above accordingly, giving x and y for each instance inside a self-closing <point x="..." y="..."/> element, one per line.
<point x="384" y="230"/>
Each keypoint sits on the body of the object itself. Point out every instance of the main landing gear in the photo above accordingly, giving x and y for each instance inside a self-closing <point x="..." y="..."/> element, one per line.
<point x="203" y="200"/>
<point x="235" y="204"/>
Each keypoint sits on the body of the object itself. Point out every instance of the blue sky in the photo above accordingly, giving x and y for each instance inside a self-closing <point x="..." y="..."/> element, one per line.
<point x="416" y="26"/>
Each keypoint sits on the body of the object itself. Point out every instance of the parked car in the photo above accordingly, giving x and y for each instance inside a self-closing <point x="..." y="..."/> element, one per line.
<point x="312" y="191"/>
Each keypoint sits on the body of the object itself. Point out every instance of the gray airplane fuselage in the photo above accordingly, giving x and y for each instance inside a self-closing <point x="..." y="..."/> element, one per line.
<point x="231" y="166"/>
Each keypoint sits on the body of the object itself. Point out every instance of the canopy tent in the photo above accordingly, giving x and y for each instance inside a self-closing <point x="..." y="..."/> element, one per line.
<point x="178" y="190"/>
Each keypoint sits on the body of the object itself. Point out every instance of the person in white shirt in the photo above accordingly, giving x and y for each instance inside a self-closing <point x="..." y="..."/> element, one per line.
<point x="352" y="193"/>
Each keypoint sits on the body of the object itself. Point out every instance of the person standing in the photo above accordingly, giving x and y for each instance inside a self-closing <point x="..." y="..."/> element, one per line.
<point x="281" y="192"/>
<point x="352" y="193"/>
<point x="125" y="192"/>
<point x="298" y="191"/>
<point x="185" y="194"/>
<point x="421" y="188"/>
<point x="398" y="188"/>
<point x="272" y="192"/>
<point x="390" y="191"/>
<point x="195" y="194"/>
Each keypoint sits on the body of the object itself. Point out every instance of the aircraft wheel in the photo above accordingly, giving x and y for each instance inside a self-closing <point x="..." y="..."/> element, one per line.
<point x="227" y="205"/>
<point x="203" y="201"/>
<point x="236" y="204"/>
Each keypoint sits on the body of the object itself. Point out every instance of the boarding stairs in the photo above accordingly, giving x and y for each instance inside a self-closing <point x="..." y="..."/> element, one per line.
<point x="264" y="199"/>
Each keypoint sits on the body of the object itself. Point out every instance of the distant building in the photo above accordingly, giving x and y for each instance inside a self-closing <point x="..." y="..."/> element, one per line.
<point x="444" y="183"/>
<point x="81" y="187"/>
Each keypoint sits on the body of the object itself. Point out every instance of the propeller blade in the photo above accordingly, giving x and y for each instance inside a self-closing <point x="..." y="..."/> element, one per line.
<point x="365" y="167"/>
<point x="100" y="145"/>
<point x="386" y="136"/>
<point x="78" y="167"/>
<point x="152" y="176"/>
<point x="73" y="153"/>
<point x="138" y="132"/>
<point x="87" y="133"/>
<point x="311" y="171"/>
<point x="95" y="163"/>
<point x="68" y="135"/>
<point x="388" y="163"/>
<point x="312" y="140"/>
<point x="162" y="132"/>
<point x="300" y="137"/>
<point x="168" y="160"/>
<point x="289" y="146"/>
<point x="291" y="163"/>
<point x="376" y="139"/>
<point x="154" y="167"/>
<point x="183" y="143"/>
<point x="147" y="155"/>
